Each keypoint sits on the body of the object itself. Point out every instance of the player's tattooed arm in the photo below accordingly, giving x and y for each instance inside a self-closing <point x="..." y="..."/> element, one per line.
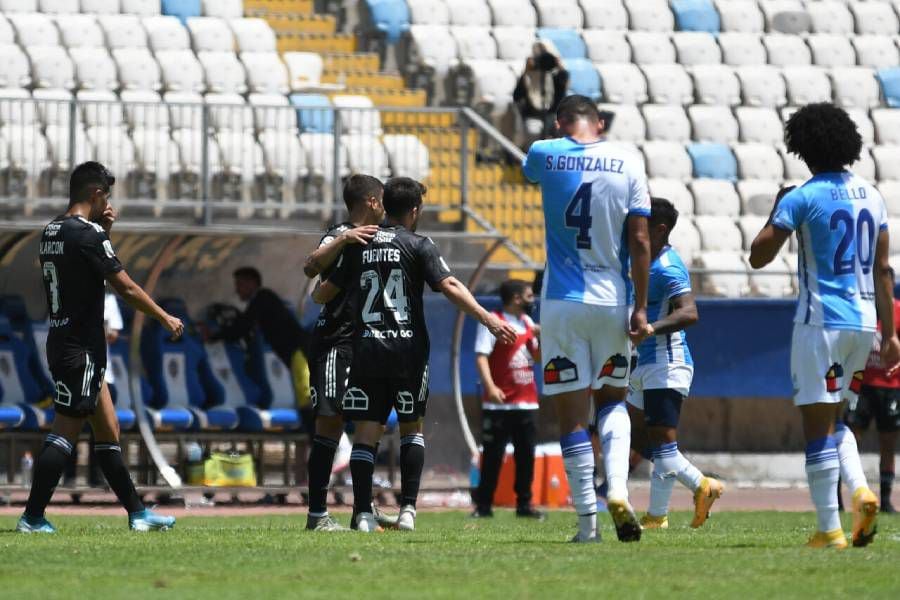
<point x="884" y="304"/>
<point x="684" y="314"/>
<point x="462" y="298"/>
<point x="138" y="299"/>
<point x="329" y="250"/>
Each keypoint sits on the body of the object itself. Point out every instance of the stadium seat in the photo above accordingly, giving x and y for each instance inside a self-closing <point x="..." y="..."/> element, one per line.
<point x="651" y="47"/>
<point x="183" y="9"/>
<point x="19" y="6"/>
<point x="265" y="72"/>
<point x="253" y="35"/>
<point x="105" y="7"/>
<point x="716" y="85"/>
<point x="729" y="273"/>
<point x="390" y="18"/>
<point x="123" y="31"/>
<point x="18" y="389"/>
<point x="666" y="122"/>
<point x="758" y="161"/>
<point x="319" y="149"/>
<point x="314" y="112"/>
<point x="607" y="46"/>
<point x="474" y="43"/>
<point x="806" y="85"/>
<point x="740" y="15"/>
<point x="759" y="124"/>
<point x="80" y="31"/>
<point x="713" y="160"/>
<point x="7" y="33"/>
<point x="190" y="149"/>
<point x="887" y="125"/>
<point x="628" y="125"/>
<point x="16" y="107"/>
<point x="887" y="162"/>
<point x="514" y="44"/>
<point x="53" y="106"/>
<point x="51" y="67"/>
<point x="668" y="160"/>
<point x="29" y="152"/>
<point x="223" y="9"/>
<point x="408" y="155"/>
<point x="358" y="114"/>
<point x="696" y="48"/>
<point x="366" y="154"/>
<point x="650" y="15"/>
<point x="113" y="147"/>
<point x="686" y="240"/>
<point x="875" y="51"/>
<point x="304" y="70"/>
<point x="889" y="79"/>
<point x="855" y="87"/>
<point x="138" y="69"/>
<point x="101" y="108"/>
<point x="831" y="50"/>
<point x="34" y="29"/>
<point x="432" y="12"/>
<point x="231" y="384"/>
<point x="677" y="193"/>
<point x="492" y="82"/>
<point x="890" y="190"/>
<point x="785" y="50"/>
<point x="285" y="157"/>
<point x="762" y="86"/>
<point x="566" y="41"/>
<point x="742" y="48"/>
<point x="166" y="33"/>
<point x="875" y="18"/>
<point x="209" y="34"/>
<point x="432" y="48"/>
<point x="33" y="333"/>
<point x="278" y="408"/>
<point x="829" y="16"/>
<point x="715" y="197"/>
<point x="59" y="7"/>
<point x="775" y="280"/>
<point x="785" y="16"/>
<point x="94" y="69"/>
<point x="695" y="15"/>
<point x="622" y="83"/>
<point x="242" y="159"/>
<point x="229" y="110"/>
<point x="559" y="13"/>
<point x="469" y="12"/>
<point x="583" y="78"/>
<point x="757" y="196"/>
<point x="668" y="84"/>
<point x="118" y="364"/>
<point x="181" y="71"/>
<point x="148" y="8"/>
<point x="713" y="124"/>
<point x="15" y="72"/>
<point x="866" y="129"/>
<point x="608" y="15"/>
<point x="223" y="72"/>
<point x="157" y="156"/>
<point x="794" y="168"/>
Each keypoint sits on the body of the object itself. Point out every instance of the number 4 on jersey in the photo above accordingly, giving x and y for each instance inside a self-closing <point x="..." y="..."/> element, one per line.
<point x="578" y="216"/>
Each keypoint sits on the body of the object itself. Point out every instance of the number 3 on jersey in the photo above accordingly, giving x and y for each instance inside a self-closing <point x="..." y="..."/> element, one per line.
<point x="52" y="279"/>
<point x="393" y="297"/>
<point x="578" y="216"/>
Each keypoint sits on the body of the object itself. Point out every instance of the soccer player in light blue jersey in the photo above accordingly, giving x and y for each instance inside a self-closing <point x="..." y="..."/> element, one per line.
<point x="596" y="206"/>
<point x="845" y="288"/>
<point x="662" y="379"/>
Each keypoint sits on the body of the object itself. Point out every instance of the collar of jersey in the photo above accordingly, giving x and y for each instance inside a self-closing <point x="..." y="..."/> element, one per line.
<point x="574" y="141"/>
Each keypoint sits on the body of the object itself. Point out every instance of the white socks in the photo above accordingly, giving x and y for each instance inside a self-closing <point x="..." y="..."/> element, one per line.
<point x="848" y="454"/>
<point x="822" y="470"/>
<point x="614" y="429"/>
<point x="661" y="485"/>
<point x="578" y="457"/>
<point x="669" y="465"/>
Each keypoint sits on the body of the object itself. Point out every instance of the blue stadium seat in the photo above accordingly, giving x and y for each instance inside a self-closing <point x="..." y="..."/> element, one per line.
<point x="567" y="41"/>
<point x="22" y="325"/>
<point x="277" y="409"/>
<point x="584" y="78"/>
<point x="17" y="384"/>
<point x="889" y="79"/>
<point x="715" y="161"/>
<point x="390" y="17"/>
<point x="696" y="15"/>
<point x="120" y="365"/>
<point x="312" y="115"/>
<point x="182" y="9"/>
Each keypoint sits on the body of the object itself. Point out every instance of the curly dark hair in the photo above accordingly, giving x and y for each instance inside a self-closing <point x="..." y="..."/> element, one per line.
<point x="824" y="137"/>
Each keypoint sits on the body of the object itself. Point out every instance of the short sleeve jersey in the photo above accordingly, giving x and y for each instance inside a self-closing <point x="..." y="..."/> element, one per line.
<point x="837" y="218"/>
<point x="669" y="279"/>
<point x="76" y="256"/>
<point x="335" y="323"/>
<point x="589" y="191"/>
<point x="385" y="281"/>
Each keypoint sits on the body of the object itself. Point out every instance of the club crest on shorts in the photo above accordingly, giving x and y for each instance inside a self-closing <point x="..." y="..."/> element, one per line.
<point x="833" y="378"/>
<point x="560" y="370"/>
<point x="405" y="403"/>
<point x="355" y="399"/>
<point x="615" y="367"/>
<point x="63" y="395"/>
<point x="857" y="382"/>
<point x="313" y="397"/>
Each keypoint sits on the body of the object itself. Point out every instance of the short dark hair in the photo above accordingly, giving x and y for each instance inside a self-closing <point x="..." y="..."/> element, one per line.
<point x="84" y="177"/>
<point x="577" y="106"/>
<point x="360" y="188"/>
<point x="823" y="136"/>
<point x="511" y="287"/>
<point x="250" y="273"/>
<point x="401" y="195"/>
<point x="663" y="211"/>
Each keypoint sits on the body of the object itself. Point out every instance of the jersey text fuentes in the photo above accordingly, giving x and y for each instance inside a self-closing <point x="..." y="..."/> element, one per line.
<point x="377" y="255"/>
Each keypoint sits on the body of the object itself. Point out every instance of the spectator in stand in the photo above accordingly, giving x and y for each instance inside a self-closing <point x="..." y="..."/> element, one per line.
<point x="510" y="399"/>
<point x="540" y="89"/>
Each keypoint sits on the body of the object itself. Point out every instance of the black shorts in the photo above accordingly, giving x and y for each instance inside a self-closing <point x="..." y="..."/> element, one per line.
<point x="371" y="399"/>
<point x="78" y="380"/>
<point x="328" y="375"/>
<point x="662" y="407"/>
<point x="881" y="404"/>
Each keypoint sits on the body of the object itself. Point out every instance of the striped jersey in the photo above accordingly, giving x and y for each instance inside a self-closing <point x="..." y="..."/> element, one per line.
<point x="588" y="190"/>
<point x="837" y="218"/>
<point x="669" y="278"/>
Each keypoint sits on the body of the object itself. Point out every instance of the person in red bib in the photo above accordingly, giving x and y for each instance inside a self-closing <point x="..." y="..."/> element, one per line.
<point x="509" y="399"/>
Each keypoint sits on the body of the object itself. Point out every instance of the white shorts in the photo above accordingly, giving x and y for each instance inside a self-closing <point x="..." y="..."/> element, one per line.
<point x="584" y="346"/>
<point x="659" y="376"/>
<point x="827" y="364"/>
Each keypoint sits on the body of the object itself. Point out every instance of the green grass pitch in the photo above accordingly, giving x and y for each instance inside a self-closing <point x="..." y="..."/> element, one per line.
<point x="746" y="555"/>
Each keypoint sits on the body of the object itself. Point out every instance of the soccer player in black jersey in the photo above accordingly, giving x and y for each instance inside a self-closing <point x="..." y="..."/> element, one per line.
<point x="332" y="349"/>
<point x="385" y="280"/>
<point x="76" y="259"/>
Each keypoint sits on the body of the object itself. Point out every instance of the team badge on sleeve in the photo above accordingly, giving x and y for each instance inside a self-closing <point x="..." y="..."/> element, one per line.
<point x="616" y="367"/>
<point x="833" y="378"/>
<point x="560" y="370"/>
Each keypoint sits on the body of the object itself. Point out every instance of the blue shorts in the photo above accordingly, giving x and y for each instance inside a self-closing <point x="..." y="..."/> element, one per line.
<point x="662" y="407"/>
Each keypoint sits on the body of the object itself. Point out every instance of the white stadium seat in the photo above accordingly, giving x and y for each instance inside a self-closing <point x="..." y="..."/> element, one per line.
<point x="432" y="46"/>
<point x="113" y="147"/>
<point x="775" y="280"/>
<point x="622" y="83"/>
<point x="408" y="155"/>
<point x="58" y="140"/>
<point x="559" y="13"/>
<point x="138" y="69"/>
<point x="7" y="33"/>
<point x="887" y="125"/>
<point x="224" y="9"/>
<point x="759" y="124"/>
<point x="713" y="123"/>
<point x="94" y="69"/>
<point x="758" y="161"/>
<point x="515" y="43"/>
<point x="319" y="149"/>
<point x="607" y="46"/>
<point x="190" y="150"/>
<point x="651" y="47"/>
<point x="718" y="233"/>
<point x="829" y="16"/>
<point x="53" y="106"/>
<point x="19" y="6"/>
<point x="894" y="225"/>
<point x="144" y="8"/>
<point x="16" y="107"/>
<point x="696" y="48"/>
<point x="34" y="29"/>
<point x="666" y="122"/>
<point x="156" y="153"/>
<point x="229" y="111"/>
<point x="855" y="87"/>
<point x="494" y="83"/>
<point x="863" y="123"/>
<point x="787" y="16"/>
<point x="742" y="48"/>
<point x="304" y="69"/>
<point x="715" y="197"/>
<point x="474" y="43"/>
<point x="887" y="163"/>
<point x="686" y="240"/>
<point x="285" y="156"/>
<point x="15" y="70"/>
<point x="678" y="194"/>
<point x="123" y="31"/>
<point x="762" y="86"/>
<point x="431" y="12"/>
<point x="668" y="84"/>
<point x="224" y="73"/>
<point x="876" y="18"/>
<point x="29" y="150"/>
<point x="865" y="167"/>
<point x="469" y="12"/>
<point x="51" y="67"/>
<point x="80" y="31"/>
<point x="366" y="154"/>
<point x="750" y="226"/>
<point x="890" y="191"/>
<point x="607" y="15"/>
<point x="787" y="50"/>
<point x="181" y="71"/>
<point x="628" y="125"/>
<point x="209" y="34"/>
<point x="273" y="111"/>
<point x="668" y="160"/>
<point x="757" y="196"/>
<point x="185" y="110"/>
<point x="794" y="168"/>
<point x="101" y="7"/>
<point x="265" y="72"/>
<point x="650" y="15"/>
<point x="876" y="51"/>
<point x="58" y="7"/>
<point x="832" y="50"/>
<point x="716" y="84"/>
<point x="806" y="85"/>
<point x="740" y="15"/>
<point x="729" y="276"/>
<point x="359" y="114"/>
<point x="166" y="33"/>
<point x="253" y="35"/>
<point x="144" y="109"/>
<point x="513" y="13"/>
